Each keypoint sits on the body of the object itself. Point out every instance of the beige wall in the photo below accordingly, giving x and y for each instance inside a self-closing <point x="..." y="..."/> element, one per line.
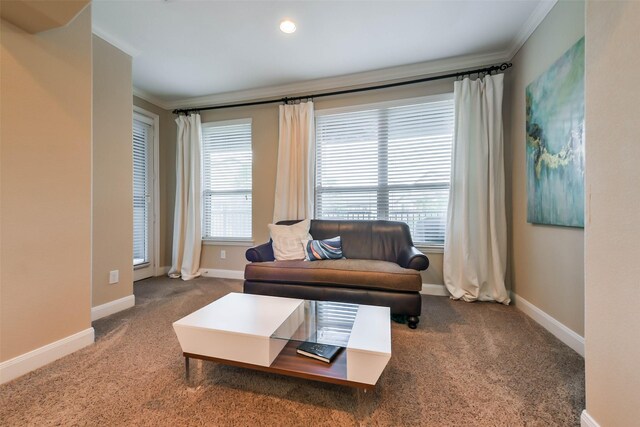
<point x="112" y="173"/>
<point x="545" y="262"/>
<point x="167" y="176"/>
<point x="265" y="152"/>
<point x="612" y="243"/>
<point x="45" y="193"/>
<point x="35" y="16"/>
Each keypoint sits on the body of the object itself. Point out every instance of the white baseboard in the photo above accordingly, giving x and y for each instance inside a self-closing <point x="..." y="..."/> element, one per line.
<point x="112" y="307"/>
<point x="162" y="271"/>
<point x="27" y="362"/>
<point x="562" y="332"/>
<point x="587" y="421"/>
<point x="222" y="274"/>
<point x="437" y="290"/>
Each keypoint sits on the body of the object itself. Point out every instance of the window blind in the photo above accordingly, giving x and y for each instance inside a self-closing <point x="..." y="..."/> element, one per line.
<point x="141" y="136"/>
<point x="387" y="162"/>
<point x="226" y="180"/>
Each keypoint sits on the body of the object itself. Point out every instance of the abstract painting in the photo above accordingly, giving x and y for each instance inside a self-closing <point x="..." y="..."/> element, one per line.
<point x="555" y="142"/>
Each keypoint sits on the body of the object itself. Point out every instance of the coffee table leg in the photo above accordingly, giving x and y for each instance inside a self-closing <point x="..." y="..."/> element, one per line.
<point x="364" y="405"/>
<point x="186" y="367"/>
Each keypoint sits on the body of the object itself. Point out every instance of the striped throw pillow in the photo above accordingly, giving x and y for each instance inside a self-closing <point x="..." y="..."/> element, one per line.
<point x="315" y="250"/>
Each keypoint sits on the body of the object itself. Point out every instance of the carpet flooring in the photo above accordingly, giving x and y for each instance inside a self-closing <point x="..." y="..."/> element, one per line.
<point x="477" y="364"/>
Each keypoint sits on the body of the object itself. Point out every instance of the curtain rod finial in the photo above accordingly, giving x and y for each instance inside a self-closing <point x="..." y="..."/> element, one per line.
<point x="505" y="65"/>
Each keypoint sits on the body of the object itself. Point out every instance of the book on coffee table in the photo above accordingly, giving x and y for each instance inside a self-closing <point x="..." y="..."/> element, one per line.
<point x="323" y="352"/>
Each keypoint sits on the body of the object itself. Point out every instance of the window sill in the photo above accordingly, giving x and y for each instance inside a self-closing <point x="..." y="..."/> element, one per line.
<point x="430" y="249"/>
<point x="141" y="265"/>
<point x="214" y="242"/>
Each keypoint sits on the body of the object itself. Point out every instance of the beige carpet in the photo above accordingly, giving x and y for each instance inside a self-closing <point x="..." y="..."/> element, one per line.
<point x="466" y="365"/>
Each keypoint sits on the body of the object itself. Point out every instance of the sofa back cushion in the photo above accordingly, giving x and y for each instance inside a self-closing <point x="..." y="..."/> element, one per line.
<point x="287" y="240"/>
<point x="380" y="240"/>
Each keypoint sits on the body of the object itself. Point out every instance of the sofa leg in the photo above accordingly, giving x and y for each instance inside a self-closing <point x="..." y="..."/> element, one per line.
<point x="413" y="321"/>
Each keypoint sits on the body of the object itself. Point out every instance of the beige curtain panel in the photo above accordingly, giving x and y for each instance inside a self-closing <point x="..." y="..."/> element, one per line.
<point x="475" y="249"/>
<point x="296" y="160"/>
<point x="187" y="236"/>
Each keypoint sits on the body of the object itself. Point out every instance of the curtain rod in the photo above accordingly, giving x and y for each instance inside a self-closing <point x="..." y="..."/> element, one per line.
<point x="487" y="70"/>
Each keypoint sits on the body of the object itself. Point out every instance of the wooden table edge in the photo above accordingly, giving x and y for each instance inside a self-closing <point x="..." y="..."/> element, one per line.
<point x="274" y="369"/>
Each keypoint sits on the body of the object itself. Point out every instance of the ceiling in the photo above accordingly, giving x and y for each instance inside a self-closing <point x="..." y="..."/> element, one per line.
<point x="185" y="52"/>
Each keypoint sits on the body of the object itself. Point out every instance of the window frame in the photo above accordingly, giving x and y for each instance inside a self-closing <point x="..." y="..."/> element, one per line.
<point x="449" y="96"/>
<point x="226" y="241"/>
<point x="148" y="115"/>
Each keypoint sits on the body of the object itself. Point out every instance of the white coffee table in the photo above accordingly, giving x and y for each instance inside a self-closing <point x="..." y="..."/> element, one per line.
<point x="262" y="333"/>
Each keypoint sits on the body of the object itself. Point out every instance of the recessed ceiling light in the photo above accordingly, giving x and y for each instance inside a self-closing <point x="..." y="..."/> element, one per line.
<point x="287" y="26"/>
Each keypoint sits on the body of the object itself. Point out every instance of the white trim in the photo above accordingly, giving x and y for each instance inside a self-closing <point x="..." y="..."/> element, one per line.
<point x="535" y="19"/>
<point x="27" y="362"/>
<point x="561" y="331"/>
<point x="162" y="271"/>
<point x="115" y="41"/>
<point x="402" y="72"/>
<point x="153" y="119"/>
<point x="587" y="420"/>
<point x="156" y="186"/>
<point x="112" y="307"/>
<point x="143" y="94"/>
<point x="437" y="290"/>
<point x="143" y="116"/>
<point x="448" y="96"/>
<point x="222" y="274"/>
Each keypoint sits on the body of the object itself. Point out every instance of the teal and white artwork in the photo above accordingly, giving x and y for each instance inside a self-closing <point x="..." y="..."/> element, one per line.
<point x="555" y="142"/>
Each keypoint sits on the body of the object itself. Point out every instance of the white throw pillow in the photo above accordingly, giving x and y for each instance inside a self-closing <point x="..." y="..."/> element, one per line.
<point x="286" y="240"/>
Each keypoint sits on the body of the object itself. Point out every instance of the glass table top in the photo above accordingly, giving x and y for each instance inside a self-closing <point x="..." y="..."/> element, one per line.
<point x="323" y="322"/>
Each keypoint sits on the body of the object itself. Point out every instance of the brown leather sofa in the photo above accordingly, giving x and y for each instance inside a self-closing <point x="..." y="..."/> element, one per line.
<point x="382" y="267"/>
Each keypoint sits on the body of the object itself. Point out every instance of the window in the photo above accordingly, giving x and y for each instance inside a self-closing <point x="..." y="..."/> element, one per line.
<point x="226" y="180"/>
<point x="142" y="139"/>
<point x="388" y="161"/>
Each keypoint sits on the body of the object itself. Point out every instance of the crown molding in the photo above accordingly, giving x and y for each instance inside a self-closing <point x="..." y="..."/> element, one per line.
<point x="115" y="41"/>
<point x="535" y="19"/>
<point x="143" y="94"/>
<point x="344" y="81"/>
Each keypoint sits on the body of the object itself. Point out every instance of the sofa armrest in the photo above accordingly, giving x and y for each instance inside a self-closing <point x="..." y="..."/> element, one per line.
<point x="411" y="257"/>
<point x="260" y="253"/>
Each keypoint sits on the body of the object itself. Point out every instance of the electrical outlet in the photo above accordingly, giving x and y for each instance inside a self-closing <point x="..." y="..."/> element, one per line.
<point x="223" y="254"/>
<point x="114" y="276"/>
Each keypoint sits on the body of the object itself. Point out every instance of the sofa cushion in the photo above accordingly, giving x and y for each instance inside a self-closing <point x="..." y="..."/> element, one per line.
<point x="286" y="240"/>
<point x="353" y="273"/>
<point x="315" y="250"/>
